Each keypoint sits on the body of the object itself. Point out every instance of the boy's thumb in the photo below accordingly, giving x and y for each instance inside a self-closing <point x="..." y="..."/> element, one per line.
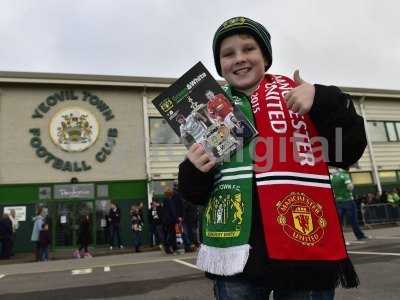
<point x="296" y="77"/>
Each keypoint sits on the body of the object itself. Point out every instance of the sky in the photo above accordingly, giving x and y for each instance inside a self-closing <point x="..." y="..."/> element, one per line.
<point x="346" y="43"/>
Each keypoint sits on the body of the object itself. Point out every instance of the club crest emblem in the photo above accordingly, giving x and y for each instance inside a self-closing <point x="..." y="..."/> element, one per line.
<point x="237" y="21"/>
<point x="225" y="213"/>
<point x="166" y="104"/>
<point x="74" y="129"/>
<point x="301" y="218"/>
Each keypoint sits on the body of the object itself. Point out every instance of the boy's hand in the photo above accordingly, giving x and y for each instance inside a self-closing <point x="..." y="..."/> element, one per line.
<point x="200" y="158"/>
<point x="301" y="98"/>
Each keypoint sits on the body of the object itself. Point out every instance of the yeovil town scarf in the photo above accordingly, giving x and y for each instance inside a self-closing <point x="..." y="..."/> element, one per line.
<point x="299" y="217"/>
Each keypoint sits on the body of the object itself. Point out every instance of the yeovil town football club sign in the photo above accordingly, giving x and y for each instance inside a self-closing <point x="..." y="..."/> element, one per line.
<point x="73" y="129"/>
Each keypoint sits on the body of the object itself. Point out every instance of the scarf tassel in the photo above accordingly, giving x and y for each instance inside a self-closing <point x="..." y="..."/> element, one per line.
<point x="347" y="275"/>
<point x="223" y="261"/>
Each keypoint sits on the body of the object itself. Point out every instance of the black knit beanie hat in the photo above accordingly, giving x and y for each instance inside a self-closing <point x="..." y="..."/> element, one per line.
<point x="242" y="25"/>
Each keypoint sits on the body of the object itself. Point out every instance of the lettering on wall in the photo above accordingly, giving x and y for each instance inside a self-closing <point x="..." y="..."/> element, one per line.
<point x="73" y="129"/>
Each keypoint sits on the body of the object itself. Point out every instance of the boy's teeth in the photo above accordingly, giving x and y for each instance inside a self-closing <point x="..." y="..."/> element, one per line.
<point x="241" y="71"/>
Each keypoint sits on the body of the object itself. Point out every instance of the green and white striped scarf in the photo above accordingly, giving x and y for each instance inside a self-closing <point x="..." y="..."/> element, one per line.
<point x="227" y="218"/>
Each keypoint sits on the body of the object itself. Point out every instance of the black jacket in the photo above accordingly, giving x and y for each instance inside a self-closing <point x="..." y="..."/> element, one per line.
<point x="5" y="228"/>
<point x="154" y="215"/>
<point x="331" y="109"/>
<point x="84" y="232"/>
<point x="44" y="238"/>
<point x="172" y="210"/>
<point x="114" y="217"/>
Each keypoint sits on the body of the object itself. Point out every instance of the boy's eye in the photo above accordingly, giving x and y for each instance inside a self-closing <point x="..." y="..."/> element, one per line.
<point x="227" y="54"/>
<point x="250" y="48"/>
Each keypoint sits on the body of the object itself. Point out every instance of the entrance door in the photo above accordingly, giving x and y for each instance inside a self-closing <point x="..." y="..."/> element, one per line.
<point x="67" y="218"/>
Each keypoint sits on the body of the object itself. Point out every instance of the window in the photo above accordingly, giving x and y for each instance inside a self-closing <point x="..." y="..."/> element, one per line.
<point x="387" y="176"/>
<point x="159" y="186"/>
<point x="391" y="131"/>
<point x="397" y="124"/>
<point x="377" y="131"/>
<point x="361" y="178"/>
<point x="162" y="133"/>
<point x="381" y="131"/>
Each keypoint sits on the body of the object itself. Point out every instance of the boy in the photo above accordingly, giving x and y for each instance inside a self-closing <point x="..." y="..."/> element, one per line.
<point x="44" y="242"/>
<point x="288" y="238"/>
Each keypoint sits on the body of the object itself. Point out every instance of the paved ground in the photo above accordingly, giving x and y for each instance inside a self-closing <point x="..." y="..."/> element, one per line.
<point x="62" y="254"/>
<point x="151" y="275"/>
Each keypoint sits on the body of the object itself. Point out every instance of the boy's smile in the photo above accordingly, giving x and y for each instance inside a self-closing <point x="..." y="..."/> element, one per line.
<point x="242" y="62"/>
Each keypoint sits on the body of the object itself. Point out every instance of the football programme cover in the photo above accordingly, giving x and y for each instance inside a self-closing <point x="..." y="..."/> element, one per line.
<point x="199" y="111"/>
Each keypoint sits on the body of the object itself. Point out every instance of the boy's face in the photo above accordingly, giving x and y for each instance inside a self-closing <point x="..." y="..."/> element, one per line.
<point x="242" y="62"/>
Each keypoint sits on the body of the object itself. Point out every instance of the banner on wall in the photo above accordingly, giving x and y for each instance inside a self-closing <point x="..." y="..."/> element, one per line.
<point x="20" y="212"/>
<point x="74" y="191"/>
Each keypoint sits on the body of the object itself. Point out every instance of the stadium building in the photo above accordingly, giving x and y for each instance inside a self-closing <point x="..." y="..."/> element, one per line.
<point x="73" y="143"/>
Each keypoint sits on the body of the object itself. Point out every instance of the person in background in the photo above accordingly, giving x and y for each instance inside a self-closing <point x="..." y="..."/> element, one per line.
<point x="154" y="216"/>
<point x="136" y="227"/>
<point x="393" y="197"/>
<point x="44" y="242"/>
<point x="190" y="225"/>
<point x="5" y="236"/>
<point x="371" y="198"/>
<point x="84" y="237"/>
<point x="172" y="215"/>
<point x="114" y="217"/>
<point x="384" y="197"/>
<point x="152" y="227"/>
<point x="1" y="235"/>
<point x="105" y="224"/>
<point x="140" y="208"/>
<point x="37" y="227"/>
<point x="15" y="225"/>
<point x="343" y="190"/>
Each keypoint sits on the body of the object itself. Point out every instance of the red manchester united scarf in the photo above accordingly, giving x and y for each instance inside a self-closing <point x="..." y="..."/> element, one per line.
<point x="298" y="210"/>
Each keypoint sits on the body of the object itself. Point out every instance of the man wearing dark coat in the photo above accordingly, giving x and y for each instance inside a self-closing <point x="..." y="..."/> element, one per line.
<point x="172" y="215"/>
<point x="6" y="233"/>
